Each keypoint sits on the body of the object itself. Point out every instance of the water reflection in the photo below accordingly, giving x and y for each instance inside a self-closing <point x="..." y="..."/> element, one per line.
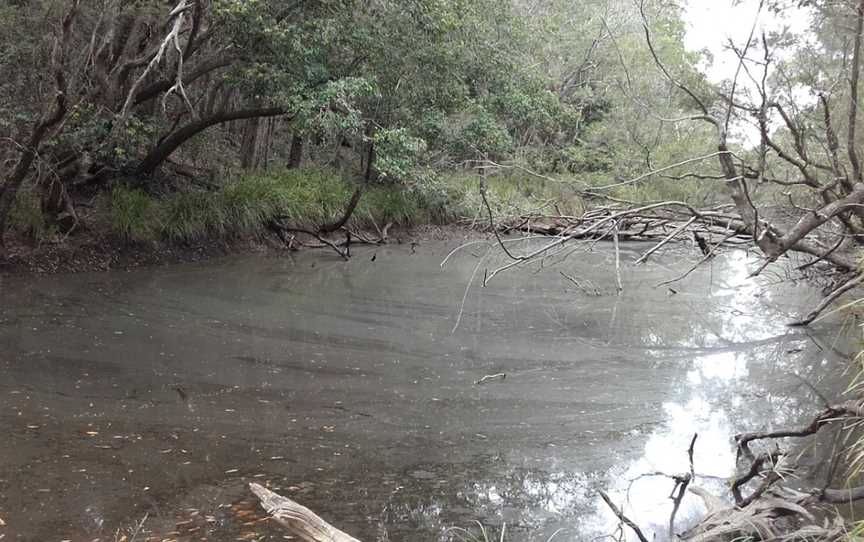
<point x="165" y="390"/>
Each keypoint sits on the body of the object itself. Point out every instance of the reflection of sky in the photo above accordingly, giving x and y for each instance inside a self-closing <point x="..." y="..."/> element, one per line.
<point x="713" y="385"/>
<point x="719" y="345"/>
<point x="722" y="350"/>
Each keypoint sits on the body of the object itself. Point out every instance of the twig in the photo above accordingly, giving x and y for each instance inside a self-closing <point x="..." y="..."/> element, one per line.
<point x="467" y="289"/>
<point x="489" y="378"/>
<point x="624" y="519"/>
<point x="690" y="455"/>
<point x="668" y="238"/>
<point x="492" y="223"/>
<point x="704" y="259"/>
<point x="617" y="258"/>
<point x="681" y="483"/>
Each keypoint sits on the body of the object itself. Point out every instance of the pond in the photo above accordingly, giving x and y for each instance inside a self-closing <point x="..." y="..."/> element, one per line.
<point x="149" y="399"/>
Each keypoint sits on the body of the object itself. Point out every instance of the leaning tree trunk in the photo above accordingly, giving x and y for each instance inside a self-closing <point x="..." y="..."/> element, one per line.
<point x="171" y="143"/>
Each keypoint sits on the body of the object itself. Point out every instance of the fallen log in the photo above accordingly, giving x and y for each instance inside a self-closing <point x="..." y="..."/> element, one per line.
<point x="299" y="520"/>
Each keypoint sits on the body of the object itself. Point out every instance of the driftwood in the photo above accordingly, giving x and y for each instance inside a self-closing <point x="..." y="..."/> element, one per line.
<point x="299" y="520"/>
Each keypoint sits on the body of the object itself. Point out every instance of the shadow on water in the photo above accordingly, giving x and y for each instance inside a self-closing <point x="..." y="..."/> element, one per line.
<point x="164" y="391"/>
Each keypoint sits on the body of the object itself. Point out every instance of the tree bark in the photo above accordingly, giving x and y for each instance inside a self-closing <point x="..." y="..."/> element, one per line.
<point x="295" y="157"/>
<point x="249" y="147"/>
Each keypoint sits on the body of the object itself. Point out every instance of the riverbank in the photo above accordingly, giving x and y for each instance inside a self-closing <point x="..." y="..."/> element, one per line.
<point x="94" y="252"/>
<point x="268" y="212"/>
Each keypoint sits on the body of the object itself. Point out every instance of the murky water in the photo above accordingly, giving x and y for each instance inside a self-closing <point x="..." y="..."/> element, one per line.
<point x="156" y="395"/>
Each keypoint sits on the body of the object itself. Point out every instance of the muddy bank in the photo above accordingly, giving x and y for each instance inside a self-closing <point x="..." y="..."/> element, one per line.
<point x="163" y="391"/>
<point x="91" y="251"/>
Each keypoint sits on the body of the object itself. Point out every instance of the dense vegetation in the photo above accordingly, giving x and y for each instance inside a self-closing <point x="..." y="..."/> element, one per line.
<point x="179" y="120"/>
<point x="182" y="120"/>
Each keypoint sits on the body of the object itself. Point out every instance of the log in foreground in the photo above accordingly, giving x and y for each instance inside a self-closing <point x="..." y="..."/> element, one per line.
<point x="299" y="520"/>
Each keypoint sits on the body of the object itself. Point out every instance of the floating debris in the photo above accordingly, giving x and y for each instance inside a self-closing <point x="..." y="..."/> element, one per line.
<point x="490" y="378"/>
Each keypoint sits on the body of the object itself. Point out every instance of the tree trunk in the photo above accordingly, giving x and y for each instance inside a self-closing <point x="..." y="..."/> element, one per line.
<point x="295" y="157"/>
<point x="171" y="143"/>
<point x="370" y="160"/>
<point x="249" y="147"/>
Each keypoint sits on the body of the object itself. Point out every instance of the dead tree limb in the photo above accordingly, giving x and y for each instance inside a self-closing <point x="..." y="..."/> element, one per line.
<point x="624" y="519"/>
<point x="856" y="280"/>
<point x="349" y="210"/>
<point x="681" y="484"/>
<point x="848" y="409"/>
<point x="299" y="520"/>
<point x="755" y="470"/>
<point x="675" y="233"/>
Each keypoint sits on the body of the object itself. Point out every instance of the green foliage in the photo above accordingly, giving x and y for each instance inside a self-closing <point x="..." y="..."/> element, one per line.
<point x="397" y="153"/>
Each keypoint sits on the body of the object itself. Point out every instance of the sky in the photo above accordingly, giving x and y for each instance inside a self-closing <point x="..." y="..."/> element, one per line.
<point x="710" y="24"/>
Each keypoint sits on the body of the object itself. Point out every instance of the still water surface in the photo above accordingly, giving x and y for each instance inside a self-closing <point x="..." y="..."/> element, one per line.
<point x="343" y="385"/>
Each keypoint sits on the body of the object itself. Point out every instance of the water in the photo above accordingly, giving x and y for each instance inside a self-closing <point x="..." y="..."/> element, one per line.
<point x="161" y="393"/>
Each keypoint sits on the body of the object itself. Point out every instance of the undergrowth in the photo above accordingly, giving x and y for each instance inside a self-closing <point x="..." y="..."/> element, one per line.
<point x="27" y="219"/>
<point x="243" y="207"/>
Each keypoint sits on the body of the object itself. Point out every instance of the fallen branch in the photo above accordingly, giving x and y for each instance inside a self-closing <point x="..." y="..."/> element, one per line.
<point x="831" y="298"/>
<point x="848" y="409"/>
<point x="754" y="471"/>
<point x="668" y="238"/>
<point x="624" y="519"/>
<point x="490" y="378"/>
<point x="299" y="520"/>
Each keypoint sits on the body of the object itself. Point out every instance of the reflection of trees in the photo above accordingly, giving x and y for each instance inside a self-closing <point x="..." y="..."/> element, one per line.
<point x="531" y="502"/>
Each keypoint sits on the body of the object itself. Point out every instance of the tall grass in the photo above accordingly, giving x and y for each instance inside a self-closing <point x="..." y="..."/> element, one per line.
<point x="243" y="207"/>
<point x="133" y="214"/>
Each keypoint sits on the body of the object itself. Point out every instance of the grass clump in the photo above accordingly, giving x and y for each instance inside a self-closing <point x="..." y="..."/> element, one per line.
<point x="389" y="203"/>
<point x="192" y="216"/>
<point x="134" y="214"/>
<point x="243" y="207"/>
